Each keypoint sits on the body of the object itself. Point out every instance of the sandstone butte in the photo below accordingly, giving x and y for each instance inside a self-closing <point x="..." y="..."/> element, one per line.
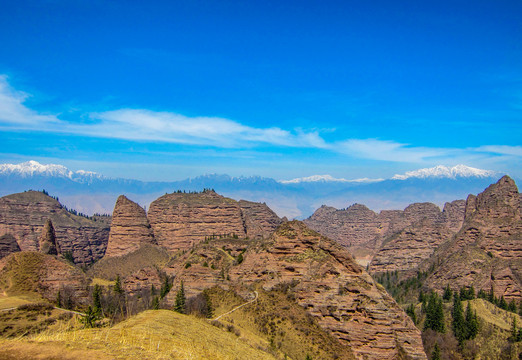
<point x="130" y="228"/>
<point x="24" y="215"/>
<point x="363" y="232"/>
<point x="180" y="221"/>
<point x="327" y="282"/>
<point x="487" y="250"/>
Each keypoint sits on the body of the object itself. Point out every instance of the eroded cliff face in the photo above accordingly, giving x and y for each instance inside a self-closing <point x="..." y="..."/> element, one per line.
<point x="334" y="289"/>
<point x="24" y="215"/>
<point x="130" y="228"/>
<point x="406" y="249"/>
<point x="180" y="220"/>
<point x="29" y="271"/>
<point x="364" y="232"/>
<point x="487" y="251"/>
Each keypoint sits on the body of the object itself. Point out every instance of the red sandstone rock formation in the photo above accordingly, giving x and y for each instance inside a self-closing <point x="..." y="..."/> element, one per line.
<point x="130" y="228"/>
<point x="47" y="242"/>
<point x="24" y="215"/>
<point x="334" y="289"/>
<point x="487" y="251"/>
<point x="180" y="220"/>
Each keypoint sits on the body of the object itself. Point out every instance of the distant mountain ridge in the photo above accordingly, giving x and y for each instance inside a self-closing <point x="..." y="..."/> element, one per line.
<point x="90" y="192"/>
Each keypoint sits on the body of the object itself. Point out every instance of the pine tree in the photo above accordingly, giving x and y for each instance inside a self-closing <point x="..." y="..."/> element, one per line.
<point x="471" y="323"/>
<point x="410" y="310"/>
<point x="514" y="330"/>
<point x="117" y="286"/>
<point x="435" y="314"/>
<point x="209" y="309"/>
<point x="435" y="355"/>
<point x="447" y="293"/>
<point x="512" y="306"/>
<point x="458" y="322"/>
<point x="96" y="299"/>
<point x="155" y="303"/>
<point x="165" y="288"/>
<point x="59" y="299"/>
<point x="502" y="303"/>
<point x="180" y="305"/>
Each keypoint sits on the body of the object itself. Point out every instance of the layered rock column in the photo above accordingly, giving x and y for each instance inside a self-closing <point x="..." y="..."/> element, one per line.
<point x="130" y="228"/>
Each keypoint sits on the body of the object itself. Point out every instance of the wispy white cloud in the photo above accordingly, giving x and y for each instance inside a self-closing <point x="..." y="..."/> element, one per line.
<point x="14" y="113"/>
<point x="214" y="132"/>
<point x="142" y="124"/>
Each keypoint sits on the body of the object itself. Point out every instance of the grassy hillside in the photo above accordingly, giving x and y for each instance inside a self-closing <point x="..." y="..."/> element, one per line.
<point x="160" y="334"/>
<point x="276" y="323"/>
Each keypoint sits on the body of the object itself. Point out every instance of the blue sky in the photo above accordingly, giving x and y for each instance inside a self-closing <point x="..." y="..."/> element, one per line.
<point x="167" y="90"/>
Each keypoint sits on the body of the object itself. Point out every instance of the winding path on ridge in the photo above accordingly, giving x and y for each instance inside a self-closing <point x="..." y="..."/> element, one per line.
<point x="236" y="308"/>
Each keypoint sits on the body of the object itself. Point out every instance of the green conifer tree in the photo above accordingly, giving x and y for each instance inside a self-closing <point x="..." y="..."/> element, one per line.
<point x="471" y="323"/>
<point x="435" y="355"/>
<point x="435" y="314"/>
<point x="180" y="304"/>
<point x="447" y="293"/>
<point x="458" y="322"/>
<point x="117" y="286"/>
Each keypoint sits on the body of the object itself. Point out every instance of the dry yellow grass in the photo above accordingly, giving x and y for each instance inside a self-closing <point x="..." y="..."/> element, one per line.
<point x="7" y="302"/>
<point x="491" y="314"/>
<point x="160" y="334"/>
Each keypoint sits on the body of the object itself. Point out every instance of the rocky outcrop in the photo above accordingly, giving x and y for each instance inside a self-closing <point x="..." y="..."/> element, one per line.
<point x="327" y="282"/>
<point x="130" y="228"/>
<point x="29" y="272"/>
<point x="24" y="215"/>
<point x="406" y="249"/>
<point x="47" y="243"/>
<point x="181" y="220"/>
<point x="487" y="251"/>
<point x="364" y="232"/>
<point x="260" y="220"/>
<point x="141" y="282"/>
<point x="8" y="245"/>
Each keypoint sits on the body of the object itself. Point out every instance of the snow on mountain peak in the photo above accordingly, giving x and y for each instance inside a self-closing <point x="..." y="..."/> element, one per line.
<point x="442" y="171"/>
<point x="326" y="178"/>
<point x="34" y="168"/>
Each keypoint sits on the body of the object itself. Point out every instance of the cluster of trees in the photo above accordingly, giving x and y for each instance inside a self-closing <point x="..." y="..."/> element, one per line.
<point x="205" y="190"/>
<point x="465" y="326"/>
<point x="114" y="303"/>
<point x="402" y="290"/>
<point x="221" y="236"/>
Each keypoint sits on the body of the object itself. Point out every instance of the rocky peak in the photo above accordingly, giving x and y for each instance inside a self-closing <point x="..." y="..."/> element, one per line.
<point x="500" y="199"/>
<point x="327" y="282"/>
<point x="130" y="228"/>
<point x="47" y="243"/>
<point x="486" y="251"/>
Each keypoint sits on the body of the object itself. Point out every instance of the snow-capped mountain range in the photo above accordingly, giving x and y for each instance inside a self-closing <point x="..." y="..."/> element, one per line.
<point x="33" y="168"/>
<point x="90" y="192"/>
<point x="442" y="171"/>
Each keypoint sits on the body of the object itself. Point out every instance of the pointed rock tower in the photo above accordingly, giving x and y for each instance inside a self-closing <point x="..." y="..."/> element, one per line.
<point x="487" y="251"/>
<point x="130" y="228"/>
<point x="47" y="241"/>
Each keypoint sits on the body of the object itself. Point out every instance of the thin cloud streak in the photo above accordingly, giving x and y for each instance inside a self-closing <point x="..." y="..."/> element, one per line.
<point x="12" y="111"/>
<point x="220" y="133"/>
